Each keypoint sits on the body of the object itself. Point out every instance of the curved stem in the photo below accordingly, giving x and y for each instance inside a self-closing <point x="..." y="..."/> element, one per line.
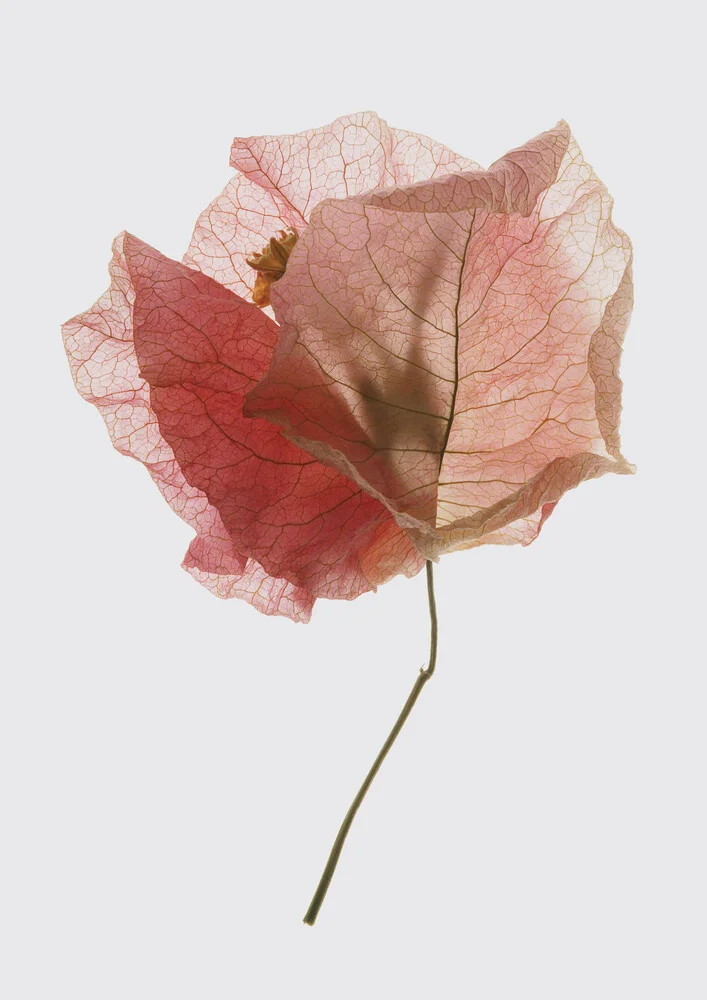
<point x="422" y="678"/>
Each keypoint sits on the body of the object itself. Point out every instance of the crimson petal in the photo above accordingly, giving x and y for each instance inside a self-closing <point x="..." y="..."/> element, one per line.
<point x="167" y="355"/>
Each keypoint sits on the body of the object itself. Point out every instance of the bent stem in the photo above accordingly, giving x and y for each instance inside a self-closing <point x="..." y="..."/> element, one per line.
<point x="422" y="678"/>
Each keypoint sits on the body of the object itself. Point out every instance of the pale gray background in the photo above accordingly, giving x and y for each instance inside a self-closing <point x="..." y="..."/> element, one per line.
<point x="173" y="768"/>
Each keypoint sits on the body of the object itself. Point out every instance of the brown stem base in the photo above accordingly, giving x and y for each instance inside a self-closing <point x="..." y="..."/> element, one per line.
<point x="423" y="677"/>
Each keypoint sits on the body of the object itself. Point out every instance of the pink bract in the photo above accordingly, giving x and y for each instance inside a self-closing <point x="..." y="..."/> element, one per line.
<point x="444" y="368"/>
<point x="453" y="345"/>
<point x="282" y="178"/>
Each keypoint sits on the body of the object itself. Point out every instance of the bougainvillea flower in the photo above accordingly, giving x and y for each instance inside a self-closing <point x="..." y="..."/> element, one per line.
<point x="373" y="353"/>
<point x="444" y="369"/>
<point x="452" y="345"/>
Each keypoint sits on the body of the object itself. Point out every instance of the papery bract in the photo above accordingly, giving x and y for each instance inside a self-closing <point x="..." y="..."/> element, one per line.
<point x="167" y="355"/>
<point x="453" y="345"/>
<point x="282" y="178"/>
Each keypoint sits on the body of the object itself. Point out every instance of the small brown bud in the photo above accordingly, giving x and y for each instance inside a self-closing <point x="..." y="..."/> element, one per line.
<point x="270" y="264"/>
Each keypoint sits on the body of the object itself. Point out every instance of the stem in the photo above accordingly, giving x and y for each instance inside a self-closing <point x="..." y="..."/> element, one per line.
<point x="422" y="678"/>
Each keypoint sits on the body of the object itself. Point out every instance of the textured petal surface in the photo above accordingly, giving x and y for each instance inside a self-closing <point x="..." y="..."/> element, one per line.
<point x="101" y="351"/>
<point x="453" y="346"/>
<point x="281" y="179"/>
<point x="167" y="355"/>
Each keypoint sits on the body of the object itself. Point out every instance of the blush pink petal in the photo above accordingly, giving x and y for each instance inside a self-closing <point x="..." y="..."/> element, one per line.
<point x="281" y="179"/>
<point x="453" y="346"/>
<point x="167" y="355"/>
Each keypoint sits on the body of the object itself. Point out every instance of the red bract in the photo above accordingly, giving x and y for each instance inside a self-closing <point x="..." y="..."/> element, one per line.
<point x="453" y="345"/>
<point x="167" y="355"/>
<point x="446" y="364"/>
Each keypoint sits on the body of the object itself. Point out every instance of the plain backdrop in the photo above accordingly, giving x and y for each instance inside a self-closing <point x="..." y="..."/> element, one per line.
<point x="173" y="768"/>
